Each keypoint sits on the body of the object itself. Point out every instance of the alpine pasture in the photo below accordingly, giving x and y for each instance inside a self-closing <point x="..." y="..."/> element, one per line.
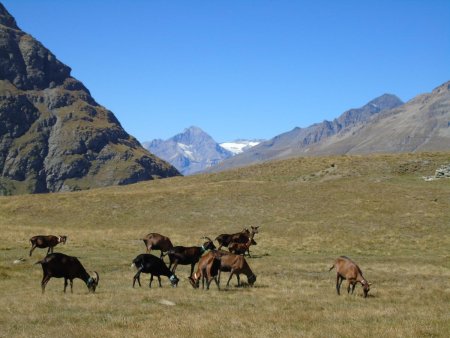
<point x="377" y="210"/>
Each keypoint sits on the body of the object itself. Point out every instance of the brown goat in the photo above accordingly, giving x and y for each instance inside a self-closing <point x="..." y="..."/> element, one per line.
<point x="188" y="255"/>
<point x="154" y="241"/>
<point x="349" y="270"/>
<point x="208" y="268"/>
<point x="241" y="248"/>
<point x="237" y="265"/>
<point x="49" y="242"/>
<point x="239" y="237"/>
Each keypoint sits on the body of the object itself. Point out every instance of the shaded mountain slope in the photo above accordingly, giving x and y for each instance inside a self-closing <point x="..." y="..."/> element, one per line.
<point x="53" y="135"/>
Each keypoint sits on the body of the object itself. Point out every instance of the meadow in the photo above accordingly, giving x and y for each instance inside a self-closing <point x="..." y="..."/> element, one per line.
<point x="376" y="209"/>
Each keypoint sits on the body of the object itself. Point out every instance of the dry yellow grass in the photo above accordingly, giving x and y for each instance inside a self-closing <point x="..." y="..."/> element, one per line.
<point x="375" y="209"/>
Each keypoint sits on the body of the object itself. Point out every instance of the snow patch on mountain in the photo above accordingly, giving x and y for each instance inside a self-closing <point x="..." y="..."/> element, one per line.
<point x="239" y="146"/>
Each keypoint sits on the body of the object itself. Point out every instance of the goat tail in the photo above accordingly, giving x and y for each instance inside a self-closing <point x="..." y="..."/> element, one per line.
<point x="332" y="267"/>
<point x="40" y="262"/>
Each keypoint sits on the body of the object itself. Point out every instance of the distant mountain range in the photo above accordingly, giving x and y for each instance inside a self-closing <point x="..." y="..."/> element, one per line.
<point x="194" y="151"/>
<point x="384" y="125"/>
<point x="53" y="135"/>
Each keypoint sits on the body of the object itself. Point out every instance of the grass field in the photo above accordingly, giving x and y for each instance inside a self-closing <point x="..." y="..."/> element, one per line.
<point x="375" y="209"/>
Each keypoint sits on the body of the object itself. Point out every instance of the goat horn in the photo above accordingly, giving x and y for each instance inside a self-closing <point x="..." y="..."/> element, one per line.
<point x="97" y="278"/>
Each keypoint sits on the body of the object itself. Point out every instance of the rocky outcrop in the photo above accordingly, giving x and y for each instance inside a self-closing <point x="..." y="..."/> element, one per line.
<point x="53" y="135"/>
<point x="442" y="172"/>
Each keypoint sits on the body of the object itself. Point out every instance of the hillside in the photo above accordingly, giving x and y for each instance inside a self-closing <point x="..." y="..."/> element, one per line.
<point x="375" y="209"/>
<point x="53" y="135"/>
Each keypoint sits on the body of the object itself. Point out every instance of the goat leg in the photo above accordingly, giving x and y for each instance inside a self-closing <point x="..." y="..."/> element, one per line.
<point x="174" y="267"/>
<point x="231" y="275"/>
<point x="44" y="282"/>
<point x="137" y="277"/>
<point x="338" y="284"/>
<point x="32" y="248"/>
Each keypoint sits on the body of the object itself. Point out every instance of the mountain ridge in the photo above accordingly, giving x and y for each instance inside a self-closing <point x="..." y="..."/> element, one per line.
<point x="288" y="144"/>
<point x="383" y="125"/>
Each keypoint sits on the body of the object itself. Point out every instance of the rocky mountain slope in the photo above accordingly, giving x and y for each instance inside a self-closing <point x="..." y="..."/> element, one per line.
<point x="384" y="125"/>
<point x="191" y="151"/>
<point x="422" y="124"/>
<point x="53" y="135"/>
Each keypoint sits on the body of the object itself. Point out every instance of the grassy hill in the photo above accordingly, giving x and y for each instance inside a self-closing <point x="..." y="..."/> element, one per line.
<point x="375" y="209"/>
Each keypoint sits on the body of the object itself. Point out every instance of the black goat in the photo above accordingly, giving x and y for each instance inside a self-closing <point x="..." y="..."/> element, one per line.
<point x="49" y="242"/>
<point x="188" y="255"/>
<point x="155" y="266"/>
<point x="59" y="265"/>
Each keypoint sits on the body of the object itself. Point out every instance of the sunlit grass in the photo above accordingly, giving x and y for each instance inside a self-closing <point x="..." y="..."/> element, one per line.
<point x="391" y="222"/>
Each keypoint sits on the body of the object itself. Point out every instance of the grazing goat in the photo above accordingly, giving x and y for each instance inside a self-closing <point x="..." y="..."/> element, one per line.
<point x="239" y="237"/>
<point x="188" y="255"/>
<point x="59" y="265"/>
<point x="208" y="268"/>
<point x="349" y="270"/>
<point x="154" y="241"/>
<point x="155" y="266"/>
<point x="241" y="248"/>
<point x="236" y="264"/>
<point x="49" y="242"/>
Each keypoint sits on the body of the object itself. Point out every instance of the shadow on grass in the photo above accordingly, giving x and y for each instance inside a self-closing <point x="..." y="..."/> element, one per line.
<point x="258" y="256"/>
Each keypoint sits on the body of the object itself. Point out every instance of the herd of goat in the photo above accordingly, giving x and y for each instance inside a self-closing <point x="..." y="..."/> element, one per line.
<point x="211" y="262"/>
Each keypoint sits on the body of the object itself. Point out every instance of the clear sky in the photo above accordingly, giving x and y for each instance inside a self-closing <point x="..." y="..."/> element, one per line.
<point x="242" y="69"/>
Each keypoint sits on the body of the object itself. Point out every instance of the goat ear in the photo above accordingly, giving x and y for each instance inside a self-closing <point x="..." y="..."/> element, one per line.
<point x="370" y="284"/>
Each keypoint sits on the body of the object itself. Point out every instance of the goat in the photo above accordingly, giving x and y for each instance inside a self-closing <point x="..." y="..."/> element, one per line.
<point x="188" y="255"/>
<point x="236" y="264"/>
<point x="208" y="268"/>
<point x="154" y="241"/>
<point x="241" y="248"/>
<point x="59" y="265"/>
<point x="239" y="237"/>
<point x="155" y="266"/>
<point x="347" y="269"/>
<point x="49" y="242"/>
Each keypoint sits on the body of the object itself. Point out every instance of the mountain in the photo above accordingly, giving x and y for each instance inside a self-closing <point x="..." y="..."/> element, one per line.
<point x="299" y="140"/>
<point x="190" y="152"/>
<point x="53" y="135"/>
<point x="384" y="125"/>
<point x="422" y="124"/>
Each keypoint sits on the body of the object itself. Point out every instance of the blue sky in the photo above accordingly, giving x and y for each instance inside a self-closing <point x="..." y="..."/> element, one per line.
<point x="242" y="69"/>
